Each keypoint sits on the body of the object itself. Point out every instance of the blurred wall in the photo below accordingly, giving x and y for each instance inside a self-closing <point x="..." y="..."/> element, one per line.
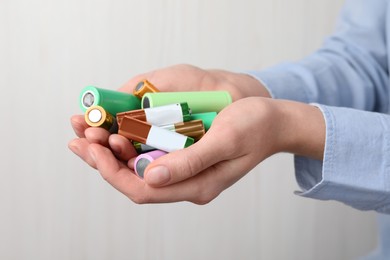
<point x="55" y="207"/>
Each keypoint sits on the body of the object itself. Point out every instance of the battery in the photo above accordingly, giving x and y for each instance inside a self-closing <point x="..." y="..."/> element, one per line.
<point x="97" y="116"/>
<point x="164" y="115"/>
<point x="143" y="160"/>
<point x="112" y="101"/>
<point x="207" y="118"/>
<point x="154" y="136"/>
<point x="143" y="87"/>
<point x="194" y="128"/>
<point x="198" y="101"/>
<point x="142" y="148"/>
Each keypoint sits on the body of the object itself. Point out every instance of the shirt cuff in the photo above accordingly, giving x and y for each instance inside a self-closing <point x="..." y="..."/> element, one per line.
<point x="356" y="165"/>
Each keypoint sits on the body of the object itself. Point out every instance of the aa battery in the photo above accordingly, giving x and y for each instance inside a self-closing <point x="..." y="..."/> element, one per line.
<point x="143" y="87"/>
<point x="199" y="102"/>
<point x="154" y="136"/>
<point x="143" y="160"/>
<point x="97" y="116"/>
<point x="194" y="129"/>
<point x="112" y="101"/>
<point x="207" y="118"/>
<point x="164" y="115"/>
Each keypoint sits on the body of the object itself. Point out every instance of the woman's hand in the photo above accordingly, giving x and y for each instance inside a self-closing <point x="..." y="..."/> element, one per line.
<point x="189" y="78"/>
<point x="174" y="78"/>
<point x="243" y="134"/>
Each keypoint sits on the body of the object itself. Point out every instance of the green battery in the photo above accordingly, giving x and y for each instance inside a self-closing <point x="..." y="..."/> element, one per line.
<point x="199" y="102"/>
<point x="207" y="118"/>
<point x="112" y="101"/>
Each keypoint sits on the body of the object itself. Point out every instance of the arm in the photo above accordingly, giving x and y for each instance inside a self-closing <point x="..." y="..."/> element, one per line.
<point x="350" y="70"/>
<point x="356" y="165"/>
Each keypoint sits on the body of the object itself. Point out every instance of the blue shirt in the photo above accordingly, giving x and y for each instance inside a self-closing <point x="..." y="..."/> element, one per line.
<point x="348" y="79"/>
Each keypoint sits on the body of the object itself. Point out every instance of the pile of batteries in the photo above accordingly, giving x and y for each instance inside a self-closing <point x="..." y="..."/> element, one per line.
<point x="156" y="122"/>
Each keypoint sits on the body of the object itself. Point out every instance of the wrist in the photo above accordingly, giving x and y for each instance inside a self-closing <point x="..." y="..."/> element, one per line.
<point x="302" y="129"/>
<point x="254" y="87"/>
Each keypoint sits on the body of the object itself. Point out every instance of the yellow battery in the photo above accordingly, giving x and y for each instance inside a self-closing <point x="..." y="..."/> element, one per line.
<point x="97" y="116"/>
<point x="143" y="87"/>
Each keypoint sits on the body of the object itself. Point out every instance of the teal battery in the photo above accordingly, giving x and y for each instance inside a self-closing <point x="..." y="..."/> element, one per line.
<point x="112" y="101"/>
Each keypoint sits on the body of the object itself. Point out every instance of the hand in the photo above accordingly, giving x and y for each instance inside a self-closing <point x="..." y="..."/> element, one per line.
<point x="242" y="135"/>
<point x="174" y="78"/>
<point x="190" y="78"/>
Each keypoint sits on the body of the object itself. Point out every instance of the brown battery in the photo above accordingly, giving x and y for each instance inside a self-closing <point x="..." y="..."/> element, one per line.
<point x="97" y="116"/>
<point x="154" y="136"/>
<point x="143" y="87"/>
<point x="137" y="114"/>
<point x="194" y="128"/>
<point x="134" y="129"/>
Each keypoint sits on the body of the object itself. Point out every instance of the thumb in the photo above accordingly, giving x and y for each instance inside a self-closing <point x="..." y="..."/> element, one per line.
<point x="186" y="163"/>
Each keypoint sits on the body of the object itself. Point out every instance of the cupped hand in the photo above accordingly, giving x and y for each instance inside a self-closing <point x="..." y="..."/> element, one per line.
<point x="242" y="135"/>
<point x="119" y="145"/>
<point x="175" y="78"/>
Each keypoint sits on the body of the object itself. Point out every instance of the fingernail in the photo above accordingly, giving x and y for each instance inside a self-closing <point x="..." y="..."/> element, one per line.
<point x="158" y="175"/>
<point x="73" y="147"/>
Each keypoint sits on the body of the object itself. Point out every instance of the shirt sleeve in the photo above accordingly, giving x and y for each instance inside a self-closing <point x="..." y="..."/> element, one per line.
<point x="356" y="165"/>
<point x="350" y="69"/>
<point x="348" y="80"/>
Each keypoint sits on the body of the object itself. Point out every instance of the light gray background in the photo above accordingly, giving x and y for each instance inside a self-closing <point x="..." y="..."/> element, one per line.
<point x="55" y="207"/>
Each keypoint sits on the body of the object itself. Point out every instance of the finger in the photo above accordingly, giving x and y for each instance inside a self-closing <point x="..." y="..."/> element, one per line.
<point x="122" y="147"/>
<point x="211" y="182"/>
<point x="186" y="163"/>
<point x="123" y="179"/>
<point x="179" y="77"/>
<point x="79" y="125"/>
<point x="97" y="135"/>
<point x="79" y="146"/>
<point x="115" y="173"/>
<point x="130" y="163"/>
<point x="132" y="83"/>
<point x="200" y="189"/>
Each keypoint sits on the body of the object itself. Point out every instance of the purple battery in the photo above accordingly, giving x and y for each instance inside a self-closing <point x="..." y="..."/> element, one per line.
<point x="143" y="160"/>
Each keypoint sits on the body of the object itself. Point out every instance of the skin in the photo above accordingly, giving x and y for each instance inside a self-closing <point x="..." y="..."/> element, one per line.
<point x="244" y="134"/>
